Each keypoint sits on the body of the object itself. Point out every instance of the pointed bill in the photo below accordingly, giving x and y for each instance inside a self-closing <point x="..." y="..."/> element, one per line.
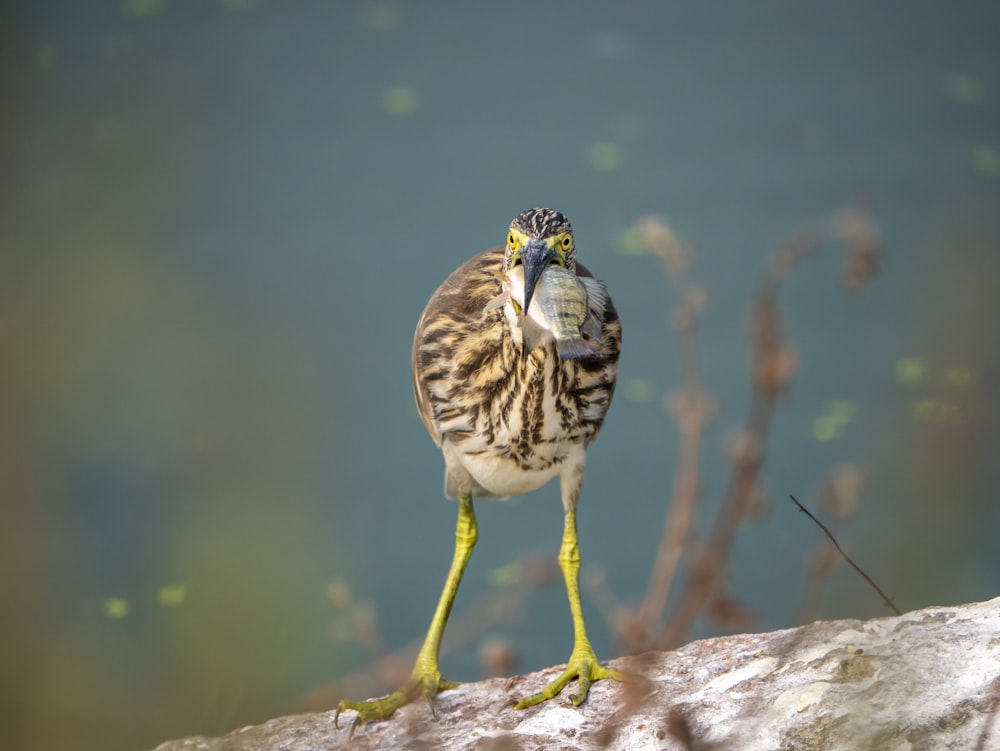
<point x="535" y="258"/>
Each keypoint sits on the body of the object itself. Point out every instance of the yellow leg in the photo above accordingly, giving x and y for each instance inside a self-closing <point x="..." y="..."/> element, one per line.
<point x="425" y="680"/>
<point x="582" y="662"/>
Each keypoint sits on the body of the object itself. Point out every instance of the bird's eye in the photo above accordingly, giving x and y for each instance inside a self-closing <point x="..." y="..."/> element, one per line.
<point x="567" y="242"/>
<point x="511" y="241"/>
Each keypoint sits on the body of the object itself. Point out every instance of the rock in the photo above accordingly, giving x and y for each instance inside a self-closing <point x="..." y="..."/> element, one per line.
<point x="925" y="680"/>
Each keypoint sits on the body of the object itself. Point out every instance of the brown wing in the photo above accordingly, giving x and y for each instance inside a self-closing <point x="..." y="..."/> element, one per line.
<point x="454" y="312"/>
<point x="611" y="347"/>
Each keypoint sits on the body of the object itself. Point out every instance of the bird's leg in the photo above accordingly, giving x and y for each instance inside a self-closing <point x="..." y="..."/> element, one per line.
<point x="426" y="680"/>
<point x="582" y="663"/>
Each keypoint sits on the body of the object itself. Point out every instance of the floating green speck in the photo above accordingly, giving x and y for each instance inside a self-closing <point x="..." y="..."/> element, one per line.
<point x="239" y="5"/>
<point x="172" y="596"/>
<point x="116" y="608"/>
<point x="986" y="160"/>
<point x="399" y="100"/>
<point x="934" y="410"/>
<point x="842" y="411"/>
<point x="639" y="391"/>
<point x="143" y="7"/>
<point x="382" y="16"/>
<point x="909" y="369"/>
<point x="826" y="429"/>
<point x="965" y="89"/>
<point x="505" y="576"/>
<point x="46" y="56"/>
<point x="832" y="425"/>
<point x="629" y="242"/>
<point x="605" y="157"/>
<point x="959" y="376"/>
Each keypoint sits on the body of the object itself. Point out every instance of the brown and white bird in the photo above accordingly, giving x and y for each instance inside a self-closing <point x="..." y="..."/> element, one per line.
<point x="514" y="365"/>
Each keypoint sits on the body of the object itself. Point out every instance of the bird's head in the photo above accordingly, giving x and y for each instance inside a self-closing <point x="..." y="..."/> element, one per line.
<point x="536" y="239"/>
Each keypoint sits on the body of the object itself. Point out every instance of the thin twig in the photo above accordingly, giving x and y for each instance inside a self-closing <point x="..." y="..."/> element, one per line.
<point x="885" y="598"/>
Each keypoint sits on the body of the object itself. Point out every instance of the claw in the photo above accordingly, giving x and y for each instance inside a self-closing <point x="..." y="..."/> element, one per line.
<point x="427" y="685"/>
<point x="585" y="668"/>
<point x="344" y="704"/>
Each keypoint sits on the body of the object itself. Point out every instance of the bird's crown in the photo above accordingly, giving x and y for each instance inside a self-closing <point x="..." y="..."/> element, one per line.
<point x="539" y="224"/>
<point x="546" y="225"/>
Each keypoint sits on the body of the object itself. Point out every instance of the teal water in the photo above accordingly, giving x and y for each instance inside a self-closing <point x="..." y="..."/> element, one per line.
<point x="219" y="224"/>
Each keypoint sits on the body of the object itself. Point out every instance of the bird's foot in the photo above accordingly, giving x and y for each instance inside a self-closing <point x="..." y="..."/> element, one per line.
<point x="582" y="665"/>
<point x="422" y="683"/>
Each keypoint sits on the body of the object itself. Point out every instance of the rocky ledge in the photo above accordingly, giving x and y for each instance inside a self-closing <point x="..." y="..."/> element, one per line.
<point x="929" y="679"/>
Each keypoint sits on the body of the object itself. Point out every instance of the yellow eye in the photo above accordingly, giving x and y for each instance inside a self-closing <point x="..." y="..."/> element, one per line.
<point x="567" y="242"/>
<point x="511" y="241"/>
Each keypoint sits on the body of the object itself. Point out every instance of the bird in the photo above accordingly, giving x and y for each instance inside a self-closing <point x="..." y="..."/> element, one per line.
<point x="509" y="415"/>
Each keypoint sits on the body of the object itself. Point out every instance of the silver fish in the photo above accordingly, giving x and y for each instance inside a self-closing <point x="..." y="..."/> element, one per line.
<point x="564" y="306"/>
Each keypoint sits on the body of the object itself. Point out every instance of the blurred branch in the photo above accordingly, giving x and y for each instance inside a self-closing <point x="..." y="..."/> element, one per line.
<point x="773" y="365"/>
<point x="691" y="409"/>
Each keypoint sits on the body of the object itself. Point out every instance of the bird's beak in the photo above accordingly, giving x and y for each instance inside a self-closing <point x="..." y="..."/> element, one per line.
<point x="535" y="256"/>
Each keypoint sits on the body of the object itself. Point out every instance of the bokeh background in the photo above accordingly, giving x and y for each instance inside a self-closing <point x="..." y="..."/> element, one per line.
<point x="219" y="222"/>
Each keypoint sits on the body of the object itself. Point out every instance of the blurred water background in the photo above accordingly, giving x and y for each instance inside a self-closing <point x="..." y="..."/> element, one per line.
<point x="220" y="221"/>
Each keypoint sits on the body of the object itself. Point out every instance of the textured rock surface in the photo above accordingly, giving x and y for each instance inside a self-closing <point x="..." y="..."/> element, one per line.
<point x="926" y="680"/>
